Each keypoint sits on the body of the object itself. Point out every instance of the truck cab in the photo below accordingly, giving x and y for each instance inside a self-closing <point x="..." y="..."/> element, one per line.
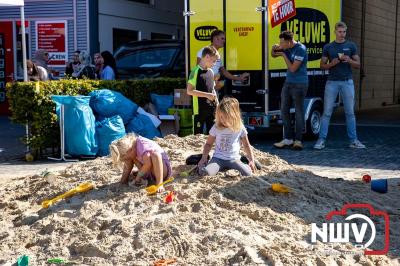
<point x="250" y="34"/>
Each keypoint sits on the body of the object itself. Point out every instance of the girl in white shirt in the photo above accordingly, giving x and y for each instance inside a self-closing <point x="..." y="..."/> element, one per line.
<point x="228" y="133"/>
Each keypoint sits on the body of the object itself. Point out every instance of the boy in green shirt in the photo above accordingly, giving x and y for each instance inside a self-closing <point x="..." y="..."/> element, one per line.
<point x="201" y="86"/>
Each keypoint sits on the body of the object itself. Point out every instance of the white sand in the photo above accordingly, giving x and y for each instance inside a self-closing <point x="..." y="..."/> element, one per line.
<point x="220" y="220"/>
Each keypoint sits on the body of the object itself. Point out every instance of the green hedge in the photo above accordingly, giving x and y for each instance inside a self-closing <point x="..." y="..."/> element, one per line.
<point x="30" y="102"/>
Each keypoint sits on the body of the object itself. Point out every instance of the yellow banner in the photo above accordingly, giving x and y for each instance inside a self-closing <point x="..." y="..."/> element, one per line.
<point x="243" y="35"/>
<point x="208" y="17"/>
<point x="313" y="26"/>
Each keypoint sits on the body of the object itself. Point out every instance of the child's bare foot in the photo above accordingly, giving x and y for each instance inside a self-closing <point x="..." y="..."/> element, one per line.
<point x="139" y="182"/>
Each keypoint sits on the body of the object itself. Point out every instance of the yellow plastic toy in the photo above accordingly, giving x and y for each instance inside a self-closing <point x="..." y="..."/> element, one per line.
<point x="276" y="187"/>
<point x="153" y="188"/>
<point x="79" y="189"/>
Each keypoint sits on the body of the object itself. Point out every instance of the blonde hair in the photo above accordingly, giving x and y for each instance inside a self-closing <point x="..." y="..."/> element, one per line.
<point x="119" y="147"/>
<point x="211" y="51"/>
<point x="229" y="109"/>
<point x="340" y="24"/>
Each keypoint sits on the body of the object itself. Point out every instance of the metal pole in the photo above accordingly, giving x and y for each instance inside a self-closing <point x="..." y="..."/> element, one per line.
<point x="62" y="132"/>
<point x="62" y="138"/>
<point x="24" y="67"/>
<point x="23" y="44"/>
<point x="187" y="70"/>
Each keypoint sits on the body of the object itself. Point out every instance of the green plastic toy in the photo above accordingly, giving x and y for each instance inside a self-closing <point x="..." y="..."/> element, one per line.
<point x="23" y="261"/>
<point x="58" y="261"/>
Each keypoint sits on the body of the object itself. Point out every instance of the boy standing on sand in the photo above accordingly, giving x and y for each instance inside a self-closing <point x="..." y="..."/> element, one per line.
<point x="201" y="86"/>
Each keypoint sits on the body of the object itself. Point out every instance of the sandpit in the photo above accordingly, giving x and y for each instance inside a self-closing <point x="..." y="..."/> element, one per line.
<point x="215" y="220"/>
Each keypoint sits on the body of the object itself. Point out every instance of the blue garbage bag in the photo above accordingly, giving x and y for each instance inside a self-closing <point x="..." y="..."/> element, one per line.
<point x="79" y="124"/>
<point x="108" y="103"/>
<point x="142" y="126"/>
<point x="108" y="130"/>
<point x="162" y="102"/>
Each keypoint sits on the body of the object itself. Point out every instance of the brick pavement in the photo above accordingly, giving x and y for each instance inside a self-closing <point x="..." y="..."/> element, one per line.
<point x="381" y="159"/>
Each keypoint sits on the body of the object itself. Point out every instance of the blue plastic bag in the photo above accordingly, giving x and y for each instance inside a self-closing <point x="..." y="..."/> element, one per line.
<point x="79" y="124"/>
<point x="143" y="126"/>
<point x="108" y="103"/>
<point x="162" y="102"/>
<point x="108" y="130"/>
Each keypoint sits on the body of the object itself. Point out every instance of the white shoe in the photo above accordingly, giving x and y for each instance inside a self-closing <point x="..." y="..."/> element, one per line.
<point x="320" y="144"/>
<point x="357" y="145"/>
<point x="284" y="143"/>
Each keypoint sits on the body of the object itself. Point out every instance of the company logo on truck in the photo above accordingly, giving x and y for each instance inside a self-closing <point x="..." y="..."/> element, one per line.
<point x="311" y="28"/>
<point x="203" y="33"/>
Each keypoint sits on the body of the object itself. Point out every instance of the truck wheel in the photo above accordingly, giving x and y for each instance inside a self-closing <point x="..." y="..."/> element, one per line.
<point x="313" y="123"/>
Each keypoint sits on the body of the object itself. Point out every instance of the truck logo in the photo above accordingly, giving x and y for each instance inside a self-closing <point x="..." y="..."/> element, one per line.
<point x="203" y="33"/>
<point x="311" y="28"/>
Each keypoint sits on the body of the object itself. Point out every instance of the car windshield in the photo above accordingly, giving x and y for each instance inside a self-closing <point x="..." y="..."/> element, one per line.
<point x="151" y="58"/>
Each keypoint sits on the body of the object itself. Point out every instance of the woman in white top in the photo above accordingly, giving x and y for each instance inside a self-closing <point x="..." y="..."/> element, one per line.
<point x="109" y="71"/>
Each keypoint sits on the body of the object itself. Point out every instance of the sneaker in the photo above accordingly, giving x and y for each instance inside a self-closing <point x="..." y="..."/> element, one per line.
<point x="320" y="144"/>
<point x="297" y="145"/>
<point x="357" y="145"/>
<point x="283" y="144"/>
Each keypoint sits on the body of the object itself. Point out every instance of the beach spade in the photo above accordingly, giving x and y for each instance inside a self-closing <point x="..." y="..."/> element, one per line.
<point x="153" y="188"/>
<point x="79" y="189"/>
<point x="187" y="173"/>
<point x="276" y="187"/>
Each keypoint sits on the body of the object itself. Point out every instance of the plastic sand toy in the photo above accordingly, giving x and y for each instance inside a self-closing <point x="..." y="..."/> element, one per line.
<point x="187" y="173"/>
<point x="164" y="262"/>
<point x="153" y="188"/>
<point x="169" y="198"/>
<point x="276" y="187"/>
<point x="23" y="261"/>
<point x="79" y="189"/>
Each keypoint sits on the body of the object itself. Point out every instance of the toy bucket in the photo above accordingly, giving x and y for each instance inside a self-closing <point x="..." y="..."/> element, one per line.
<point x="379" y="185"/>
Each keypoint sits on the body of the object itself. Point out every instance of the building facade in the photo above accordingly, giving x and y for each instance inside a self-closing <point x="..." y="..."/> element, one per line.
<point x="374" y="26"/>
<point x="63" y="26"/>
<point x="121" y="21"/>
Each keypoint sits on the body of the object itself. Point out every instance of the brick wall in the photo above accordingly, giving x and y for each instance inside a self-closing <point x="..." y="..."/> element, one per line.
<point x="379" y="50"/>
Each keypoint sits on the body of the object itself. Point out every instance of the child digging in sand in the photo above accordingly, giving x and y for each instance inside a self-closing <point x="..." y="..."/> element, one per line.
<point x="151" y="160"/>
<point x="228" y="133"/>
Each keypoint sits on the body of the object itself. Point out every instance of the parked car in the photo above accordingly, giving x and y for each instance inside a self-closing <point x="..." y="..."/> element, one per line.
<point x="151" y="59"/>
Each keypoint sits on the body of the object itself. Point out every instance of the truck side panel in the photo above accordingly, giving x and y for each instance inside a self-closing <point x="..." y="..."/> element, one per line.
<point x="209" y="15"/>
<point x="313" y="26"/>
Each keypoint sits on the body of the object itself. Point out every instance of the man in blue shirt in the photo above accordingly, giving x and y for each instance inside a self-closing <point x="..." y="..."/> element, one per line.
<point x="294" y="89"/>
<point x="342" y="56"/>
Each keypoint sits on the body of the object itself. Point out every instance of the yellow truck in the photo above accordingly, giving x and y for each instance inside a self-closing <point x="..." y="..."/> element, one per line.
<point x="249" y="38"/>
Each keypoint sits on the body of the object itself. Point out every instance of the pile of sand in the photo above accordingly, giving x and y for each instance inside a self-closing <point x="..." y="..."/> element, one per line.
<point x="217" y="220"/>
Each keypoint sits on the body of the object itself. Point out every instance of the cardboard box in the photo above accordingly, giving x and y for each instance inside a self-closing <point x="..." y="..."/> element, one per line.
<point x="169" y="124"/>
<point x="181" y="98"/>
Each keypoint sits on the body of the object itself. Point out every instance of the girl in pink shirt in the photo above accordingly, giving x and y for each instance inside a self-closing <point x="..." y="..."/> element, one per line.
<point x="145" y="154"/>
